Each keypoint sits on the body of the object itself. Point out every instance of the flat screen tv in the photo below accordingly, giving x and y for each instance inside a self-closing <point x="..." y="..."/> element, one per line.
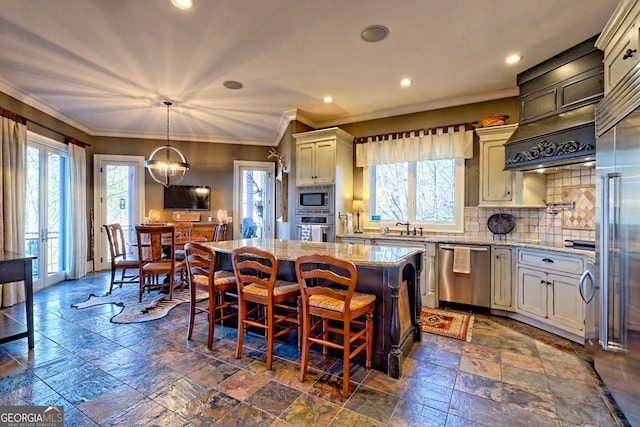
<point x="187" y="197"/>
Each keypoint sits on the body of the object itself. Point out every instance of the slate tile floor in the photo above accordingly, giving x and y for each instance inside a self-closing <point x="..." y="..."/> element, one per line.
<point x="510" y="374"/>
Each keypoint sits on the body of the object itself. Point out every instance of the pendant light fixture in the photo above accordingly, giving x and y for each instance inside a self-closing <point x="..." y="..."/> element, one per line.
<point x="166" y="164"/>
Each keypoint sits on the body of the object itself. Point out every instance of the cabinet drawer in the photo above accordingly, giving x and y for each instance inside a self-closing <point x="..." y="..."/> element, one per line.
<point x="622" y="58"/>
<point x="550" y="261"/>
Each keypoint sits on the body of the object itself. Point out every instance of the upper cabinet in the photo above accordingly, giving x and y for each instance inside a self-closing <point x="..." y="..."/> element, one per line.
<point x="323" y="156"/>
<point x="620" y="41"/>
<point x="502" y="188"/>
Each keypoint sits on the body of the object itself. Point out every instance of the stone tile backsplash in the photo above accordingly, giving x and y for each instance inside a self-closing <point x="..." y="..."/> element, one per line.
<point x="543" y="225"/>
<point x="549" y="227"/>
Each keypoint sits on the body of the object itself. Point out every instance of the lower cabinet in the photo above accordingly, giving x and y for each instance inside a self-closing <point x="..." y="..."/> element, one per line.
<point x="502" y="283"/>
<point x="547" y="289"/>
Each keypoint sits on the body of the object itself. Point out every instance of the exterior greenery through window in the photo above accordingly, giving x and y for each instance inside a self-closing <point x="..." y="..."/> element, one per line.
<point x="428" y="193"/>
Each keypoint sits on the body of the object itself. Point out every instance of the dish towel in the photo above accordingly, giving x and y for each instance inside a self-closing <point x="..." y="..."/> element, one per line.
<point x="305" y="233"/>
<point x="462" y="259"/>
<point x="316" y="233"/>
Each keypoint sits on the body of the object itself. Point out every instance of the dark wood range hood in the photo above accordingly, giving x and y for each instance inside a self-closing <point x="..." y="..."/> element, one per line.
<point x="557" y="110"/>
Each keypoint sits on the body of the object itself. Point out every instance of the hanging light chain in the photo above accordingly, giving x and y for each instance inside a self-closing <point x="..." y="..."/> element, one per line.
<point x="168" y="104"/>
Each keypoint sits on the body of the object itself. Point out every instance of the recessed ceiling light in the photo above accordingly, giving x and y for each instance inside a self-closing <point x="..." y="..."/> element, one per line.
<point x="328" y="99"/>
<point x="406" y="82"/>
<point x="512" y="59"/>
<point x="232" y="84"/>
<point x="183" y="4"/>
<point x="374" y="33"/>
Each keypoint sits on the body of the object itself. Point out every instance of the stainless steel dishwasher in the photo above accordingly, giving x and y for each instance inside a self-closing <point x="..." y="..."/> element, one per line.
<point x="473" y="288"/>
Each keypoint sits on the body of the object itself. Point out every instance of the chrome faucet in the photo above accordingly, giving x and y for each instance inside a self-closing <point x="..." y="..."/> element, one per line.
<point x="405" y="224"/>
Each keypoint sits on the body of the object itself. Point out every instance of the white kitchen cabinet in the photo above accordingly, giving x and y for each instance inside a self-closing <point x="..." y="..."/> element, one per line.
<point x="502" y="283"/>
<point x="428" y="277"/>
<point x="620" y="41"/>
<point x="323" y="156"/>
<point x="547" y="289"/>
<point x="500" y="188"/>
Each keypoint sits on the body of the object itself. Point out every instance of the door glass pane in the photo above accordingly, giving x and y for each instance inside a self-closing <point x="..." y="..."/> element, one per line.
<point x="120" y="199"/>
<point x="55" y="202"/>
<point x="253" y="197"/>
<point x="32" y="208"/>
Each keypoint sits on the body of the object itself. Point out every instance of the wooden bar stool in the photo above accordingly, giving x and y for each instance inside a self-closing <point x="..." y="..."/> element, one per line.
<point x="327" y="286"/>
<point x="201" y="264"/>
<point x="256" y="278"/>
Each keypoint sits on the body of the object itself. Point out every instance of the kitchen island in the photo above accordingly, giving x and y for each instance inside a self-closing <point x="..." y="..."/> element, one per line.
<point x="390" y="273"/>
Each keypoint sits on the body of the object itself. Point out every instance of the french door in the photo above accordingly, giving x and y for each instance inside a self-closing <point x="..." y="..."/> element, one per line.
<point x="46" y="209"/>
<point x="253" y="199"/>
<point x="118" y="198"/>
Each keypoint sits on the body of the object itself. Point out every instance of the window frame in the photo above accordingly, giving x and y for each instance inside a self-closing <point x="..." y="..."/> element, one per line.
<point x="457" y="226"/>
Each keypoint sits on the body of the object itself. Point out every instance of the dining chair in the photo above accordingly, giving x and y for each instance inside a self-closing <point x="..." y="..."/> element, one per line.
<point x="120" y="259"/>
<point x="183" y="231"/>
<point x="221" y="232"/>
<point x="203" y="231"/>
<point x="201" y="265"/>
<point x="330" y="307"/>
<point x="156" y="252"/>
<point x="274" y="303"/>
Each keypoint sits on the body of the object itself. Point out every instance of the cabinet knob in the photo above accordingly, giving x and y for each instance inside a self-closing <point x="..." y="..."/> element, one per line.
<point x="629" y="53"/>
<point x="543" y="282"/>
<point x="547" y="260"/>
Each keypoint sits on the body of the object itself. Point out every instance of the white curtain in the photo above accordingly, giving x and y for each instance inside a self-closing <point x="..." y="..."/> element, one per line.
<point x="13" y="141"/>
<point x="77" y="218"/>
<point x="450" y="145"/>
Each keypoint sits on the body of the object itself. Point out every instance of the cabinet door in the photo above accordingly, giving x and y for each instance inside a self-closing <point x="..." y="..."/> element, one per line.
<point x="304" y="164"/>
<point x="532" y="292"/>
<point x="566" y="307"/>
<point x="622" y="58"/>
<point x="502" y="279"/>
<point x="496" y="183"/>
<point x="325" y="162"/>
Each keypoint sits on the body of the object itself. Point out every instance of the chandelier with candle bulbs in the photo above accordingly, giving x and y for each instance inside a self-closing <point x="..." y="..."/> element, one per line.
<point x="166" y="164"/>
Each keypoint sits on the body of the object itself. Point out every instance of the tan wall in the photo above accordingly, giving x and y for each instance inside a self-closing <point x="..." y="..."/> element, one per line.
<point x="212" y="164"/>
<point x="428" y="119"/>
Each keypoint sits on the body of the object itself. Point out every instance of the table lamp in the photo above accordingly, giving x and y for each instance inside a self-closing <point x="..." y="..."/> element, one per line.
<point x="154" y="215"/>
<point x="222" y="215"/>
<point x="357" y="207"/>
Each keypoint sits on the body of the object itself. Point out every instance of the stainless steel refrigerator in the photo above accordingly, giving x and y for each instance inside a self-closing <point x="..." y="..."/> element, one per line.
<point x="611" y="287"/>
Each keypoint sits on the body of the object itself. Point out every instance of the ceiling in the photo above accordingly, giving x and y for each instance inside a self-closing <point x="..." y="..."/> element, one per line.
<point x="106" y="66"/>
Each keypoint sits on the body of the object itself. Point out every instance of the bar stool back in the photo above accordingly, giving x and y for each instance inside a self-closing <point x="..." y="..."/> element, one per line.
<point x="274" y="302"/>
<point x="330" y="306"/>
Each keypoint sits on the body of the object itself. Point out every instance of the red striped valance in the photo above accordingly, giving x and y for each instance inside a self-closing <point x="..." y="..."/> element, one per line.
<point x="407" y="133"/>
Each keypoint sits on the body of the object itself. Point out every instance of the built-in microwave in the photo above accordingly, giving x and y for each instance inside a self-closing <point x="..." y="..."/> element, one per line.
<point x="315" y="199"/>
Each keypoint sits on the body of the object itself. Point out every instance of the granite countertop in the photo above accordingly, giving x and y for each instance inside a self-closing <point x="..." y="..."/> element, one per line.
<point x="465" y="240"/>
<point x="289" y="250"/>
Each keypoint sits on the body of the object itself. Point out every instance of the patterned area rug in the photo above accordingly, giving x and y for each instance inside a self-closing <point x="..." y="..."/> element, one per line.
<point x="153" y="306"/>
<point x="450" y="324"/>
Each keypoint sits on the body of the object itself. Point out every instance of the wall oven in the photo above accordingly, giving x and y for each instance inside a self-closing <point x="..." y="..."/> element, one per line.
<point x="315" y="228"/>
<point x="312" y="200"/>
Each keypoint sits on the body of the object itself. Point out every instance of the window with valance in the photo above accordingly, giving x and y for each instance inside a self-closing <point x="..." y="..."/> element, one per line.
<point x="417" y="176"/>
